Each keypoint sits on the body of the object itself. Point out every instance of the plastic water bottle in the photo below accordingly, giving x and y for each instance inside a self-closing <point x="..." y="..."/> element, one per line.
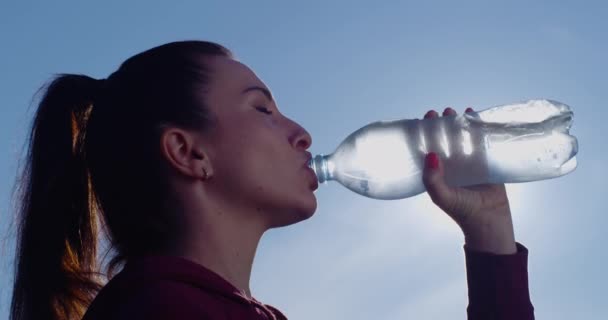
<point x="519" y="142"/>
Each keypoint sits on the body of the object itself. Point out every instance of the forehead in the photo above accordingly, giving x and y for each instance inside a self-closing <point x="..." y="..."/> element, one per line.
<point x="230" y="75"/>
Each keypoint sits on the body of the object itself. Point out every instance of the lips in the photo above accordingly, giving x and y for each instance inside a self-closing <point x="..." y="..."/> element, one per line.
<point x="308" y="157"/>
<point x="314" y="182"/>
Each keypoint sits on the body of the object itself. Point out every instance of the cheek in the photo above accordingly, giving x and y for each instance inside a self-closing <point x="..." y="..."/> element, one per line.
<point x="249" y="164"/>
<point x="261" y="133"/>
<point x="272" y="122"/>
<point x="256" y="152"/>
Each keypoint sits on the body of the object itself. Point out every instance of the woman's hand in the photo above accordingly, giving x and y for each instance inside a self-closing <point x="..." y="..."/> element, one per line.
<point x="482" y="211"/>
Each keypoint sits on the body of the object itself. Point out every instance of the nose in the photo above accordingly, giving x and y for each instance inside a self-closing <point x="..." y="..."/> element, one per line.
<point x="301" y="139"/>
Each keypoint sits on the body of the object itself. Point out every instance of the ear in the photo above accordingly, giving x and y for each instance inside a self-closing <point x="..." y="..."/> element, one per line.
<point x="184" y="152"/>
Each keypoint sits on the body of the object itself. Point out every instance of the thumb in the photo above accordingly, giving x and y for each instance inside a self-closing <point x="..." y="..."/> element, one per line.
<point x="434" y="182"/>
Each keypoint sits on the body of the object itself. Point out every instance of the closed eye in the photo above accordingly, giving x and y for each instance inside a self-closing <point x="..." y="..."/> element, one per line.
<point x="264" y="110"/>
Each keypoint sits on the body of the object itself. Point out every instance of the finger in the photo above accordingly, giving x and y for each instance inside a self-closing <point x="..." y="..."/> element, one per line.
<point x="449" y="112"/>
<point x="431" y="114"/>
<point x="434" y="182"/>
<point x="455" y="202"/>
<point x="469" y="109"/>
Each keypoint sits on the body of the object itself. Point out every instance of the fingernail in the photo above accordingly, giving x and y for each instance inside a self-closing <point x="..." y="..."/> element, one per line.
<point x="447" y="111"/>
<point x="469" y="110"/>
<point x="429" y="114"/>
<point x="432" y="160"/>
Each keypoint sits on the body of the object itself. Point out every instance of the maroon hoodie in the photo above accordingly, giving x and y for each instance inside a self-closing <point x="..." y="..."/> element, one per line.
<point x="165" y="287"/>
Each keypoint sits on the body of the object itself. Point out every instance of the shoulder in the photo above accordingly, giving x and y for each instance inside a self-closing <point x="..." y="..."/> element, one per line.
<point x="168" y="300"/>
<point x="157" y="300"/>
<point x="171" y="288"/>
<point x="276" y="312"/>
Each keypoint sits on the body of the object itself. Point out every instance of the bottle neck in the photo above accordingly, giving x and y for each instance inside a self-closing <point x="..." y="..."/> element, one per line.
<point x="321" y="165"/>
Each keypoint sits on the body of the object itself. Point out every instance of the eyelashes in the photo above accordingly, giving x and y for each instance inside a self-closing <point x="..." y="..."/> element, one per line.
<point x="263" y="110"/>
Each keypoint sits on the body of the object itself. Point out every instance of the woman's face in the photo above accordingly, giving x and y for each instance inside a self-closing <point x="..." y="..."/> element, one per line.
<point x="258" y="155"/>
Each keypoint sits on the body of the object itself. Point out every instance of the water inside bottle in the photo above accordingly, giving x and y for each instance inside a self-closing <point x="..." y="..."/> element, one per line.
<point x="513" y="143"/>
<point x="524" y="149"/>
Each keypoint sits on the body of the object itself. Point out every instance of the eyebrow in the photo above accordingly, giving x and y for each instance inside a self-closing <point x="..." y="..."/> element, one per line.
<point x="265" y="91"/>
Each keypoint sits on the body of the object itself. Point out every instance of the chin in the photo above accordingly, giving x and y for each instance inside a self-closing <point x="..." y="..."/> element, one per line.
<point x="295" y="214"/>
<point x="308" y="209"/>
<point x="308" y="212"/>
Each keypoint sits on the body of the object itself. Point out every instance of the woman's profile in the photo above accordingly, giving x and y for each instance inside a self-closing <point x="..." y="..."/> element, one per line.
<point x="184" y="160"/>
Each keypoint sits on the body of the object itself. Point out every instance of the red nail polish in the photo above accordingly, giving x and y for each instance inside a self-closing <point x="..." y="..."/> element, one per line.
<point x="469" y="110"/>
<point x="432" y="160"/>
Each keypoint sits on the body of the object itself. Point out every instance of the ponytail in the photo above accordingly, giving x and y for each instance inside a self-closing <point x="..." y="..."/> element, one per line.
<point x="80" y="169"/>
<point x="55" y="262"/>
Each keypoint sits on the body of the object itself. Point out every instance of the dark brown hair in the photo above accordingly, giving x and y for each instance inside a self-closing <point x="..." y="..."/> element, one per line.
<point x="94" y="153"/>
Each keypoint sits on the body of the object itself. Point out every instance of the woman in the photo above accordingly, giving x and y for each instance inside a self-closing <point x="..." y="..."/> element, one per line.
<point x="186" y="160"/>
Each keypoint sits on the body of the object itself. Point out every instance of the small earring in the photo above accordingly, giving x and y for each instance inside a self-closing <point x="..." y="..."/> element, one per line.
<point x="205" y="175"/>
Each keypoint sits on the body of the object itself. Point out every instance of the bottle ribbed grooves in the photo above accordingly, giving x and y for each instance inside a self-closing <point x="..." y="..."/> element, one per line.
<point x="319" y="166"/>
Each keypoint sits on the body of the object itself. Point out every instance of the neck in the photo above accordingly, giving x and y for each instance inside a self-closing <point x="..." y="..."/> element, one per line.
<point x="224" y="243"/>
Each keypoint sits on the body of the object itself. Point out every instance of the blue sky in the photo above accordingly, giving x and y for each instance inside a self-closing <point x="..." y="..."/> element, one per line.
<point x="335" y="66"/>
